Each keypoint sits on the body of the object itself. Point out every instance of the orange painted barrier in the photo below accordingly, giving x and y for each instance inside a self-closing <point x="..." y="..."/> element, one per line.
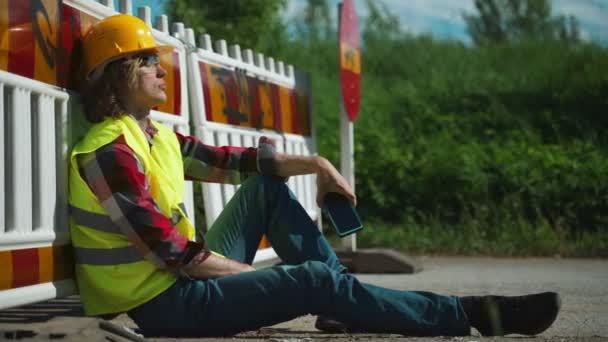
<point x="31" y="266"/>
<point x="39" y="40"/>
<point x="234" y="98"/>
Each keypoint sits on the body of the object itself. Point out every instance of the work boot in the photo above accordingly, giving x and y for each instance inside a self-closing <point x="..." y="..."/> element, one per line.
<point x="501" y="315"/>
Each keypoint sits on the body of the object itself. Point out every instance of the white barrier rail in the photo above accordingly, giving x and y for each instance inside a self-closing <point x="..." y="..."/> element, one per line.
<point x="257" y="66"/>
<point x="216" y="196"/>
<point x="31" y="114"/>
<point x="33" y="204"/>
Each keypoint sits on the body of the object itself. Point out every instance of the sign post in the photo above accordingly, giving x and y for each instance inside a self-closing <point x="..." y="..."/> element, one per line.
<point x="365" y="260"/>
<point x="350" y="82"/>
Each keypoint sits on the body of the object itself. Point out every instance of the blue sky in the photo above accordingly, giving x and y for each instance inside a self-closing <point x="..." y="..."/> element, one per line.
<point x="443" y="18"/>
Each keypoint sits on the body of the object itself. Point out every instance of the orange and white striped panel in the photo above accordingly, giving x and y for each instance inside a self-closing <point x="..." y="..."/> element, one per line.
<point x="214" y="94"/>
<point x="234" y="98"/>
<point x="4" y="35"/>
<point x="170" y="62"/>
<point x="31" y="266"/>
<point x="35" y="44"/>
<point x="265" y="99"/>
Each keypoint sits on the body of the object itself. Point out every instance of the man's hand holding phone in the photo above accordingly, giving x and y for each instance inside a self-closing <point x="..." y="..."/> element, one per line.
<point x="330" y="180"/>
<point x="341" y="214"/>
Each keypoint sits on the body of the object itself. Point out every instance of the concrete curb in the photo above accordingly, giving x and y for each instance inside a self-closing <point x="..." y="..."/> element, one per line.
<point x="379" y="260"/>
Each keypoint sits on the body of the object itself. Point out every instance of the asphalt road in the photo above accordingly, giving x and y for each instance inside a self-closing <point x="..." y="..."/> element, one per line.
<point x="582" y="283"/>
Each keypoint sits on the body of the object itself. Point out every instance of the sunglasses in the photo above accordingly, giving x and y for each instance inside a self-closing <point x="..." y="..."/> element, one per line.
<point x="150" y="60"/>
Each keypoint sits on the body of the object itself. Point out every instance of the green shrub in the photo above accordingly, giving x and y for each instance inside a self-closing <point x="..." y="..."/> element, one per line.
<point x="467" y="148"/>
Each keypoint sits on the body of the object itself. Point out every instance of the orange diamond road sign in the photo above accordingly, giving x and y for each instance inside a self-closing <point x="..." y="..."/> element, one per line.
<point x="350" y="59"/>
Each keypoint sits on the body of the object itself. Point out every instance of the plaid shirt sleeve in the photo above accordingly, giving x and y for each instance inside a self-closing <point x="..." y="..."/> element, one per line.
<point x="116" y="177"/>
<point x="226" y="164"/>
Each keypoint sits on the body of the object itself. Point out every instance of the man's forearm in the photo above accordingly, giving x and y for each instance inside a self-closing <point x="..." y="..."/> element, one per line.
<point x="292" y="165"/>
<point x="212" y="266"/>
<point x="328" y="178"/>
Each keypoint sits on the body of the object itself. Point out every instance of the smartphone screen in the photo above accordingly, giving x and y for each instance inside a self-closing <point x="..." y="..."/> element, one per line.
<point x="342" y="214"/>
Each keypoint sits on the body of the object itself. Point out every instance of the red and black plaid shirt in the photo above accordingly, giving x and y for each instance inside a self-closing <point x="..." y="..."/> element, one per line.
<point x="116" y="177"/>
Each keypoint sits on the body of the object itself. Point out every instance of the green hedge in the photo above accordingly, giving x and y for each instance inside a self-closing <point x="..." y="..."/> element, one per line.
<point x="495" y="141"/>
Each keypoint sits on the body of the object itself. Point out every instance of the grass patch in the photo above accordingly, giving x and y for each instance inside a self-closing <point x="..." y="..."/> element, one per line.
<point x="522" y="240"/>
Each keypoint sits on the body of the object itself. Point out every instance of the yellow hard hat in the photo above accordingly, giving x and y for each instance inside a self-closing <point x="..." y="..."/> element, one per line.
<point x="114" y="37"/>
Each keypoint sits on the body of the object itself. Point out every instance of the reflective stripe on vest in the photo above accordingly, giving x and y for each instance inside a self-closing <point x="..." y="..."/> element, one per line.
<point x="104" y="223"/>
<point x="93" y="220"/>
<point x="182" y="206"/>
<point x="107" y="256"/>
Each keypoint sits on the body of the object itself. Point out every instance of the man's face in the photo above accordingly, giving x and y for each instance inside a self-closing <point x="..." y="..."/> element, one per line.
<point x="150" y="91"/>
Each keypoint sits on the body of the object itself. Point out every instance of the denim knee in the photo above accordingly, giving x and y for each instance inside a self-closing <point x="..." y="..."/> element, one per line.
<point x="316" y="275"/>
<point x="263" y="182"/>
<point x="271" y="182"/>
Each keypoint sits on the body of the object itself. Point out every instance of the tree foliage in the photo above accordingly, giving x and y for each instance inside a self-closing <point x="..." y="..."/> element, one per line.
<point x="500" y="21"/>
<point x="314" y="23"/>
<point x="254" y="24"/>
<point x="380" y="23"/>
<point x="491" y="137"/>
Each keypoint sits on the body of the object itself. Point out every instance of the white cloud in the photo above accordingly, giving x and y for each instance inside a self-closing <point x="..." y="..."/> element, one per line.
<point x="591" y="14"/>
<point x="585" y="35"/>
<point x="294" y="7"/>
<point x="442" y="18"/>
<point x="446" y="10"/>
<point x="594" y="11"/>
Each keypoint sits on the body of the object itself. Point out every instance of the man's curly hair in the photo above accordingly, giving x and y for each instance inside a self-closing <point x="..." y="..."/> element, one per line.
<point x="105" y="96"/>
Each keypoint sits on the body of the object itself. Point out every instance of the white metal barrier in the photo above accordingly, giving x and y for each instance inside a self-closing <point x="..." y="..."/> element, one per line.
<point x="218" y="195"/>
<point x="38" y="124"/>
<point x="33" y="177"/>
<point x="304" y="187"/>
<point x="38" y="127"/>
<point x="242" y="65"/>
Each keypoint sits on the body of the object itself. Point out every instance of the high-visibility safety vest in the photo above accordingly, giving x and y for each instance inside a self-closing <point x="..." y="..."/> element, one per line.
<point x="112" y="275"/>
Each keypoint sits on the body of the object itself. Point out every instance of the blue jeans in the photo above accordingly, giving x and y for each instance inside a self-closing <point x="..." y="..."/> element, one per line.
<point x="312" y="280"/>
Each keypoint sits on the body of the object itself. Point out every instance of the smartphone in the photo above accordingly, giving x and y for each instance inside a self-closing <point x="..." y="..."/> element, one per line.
<point x="342" y="214"/>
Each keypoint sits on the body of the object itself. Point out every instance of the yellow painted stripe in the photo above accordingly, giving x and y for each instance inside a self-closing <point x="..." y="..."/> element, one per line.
<point x="286" y="115"/>
<point x="218" y="97"/>
<point x="243" y="96"/>
<point x="6" y="270"/>
<point x="350" y="58"/>
<point x="43" y="71"/>
<point x="45" y="264"/>
<point x="4" y="36"/>
<point x="266" y="104"/>
<point x="166" y="61"/>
